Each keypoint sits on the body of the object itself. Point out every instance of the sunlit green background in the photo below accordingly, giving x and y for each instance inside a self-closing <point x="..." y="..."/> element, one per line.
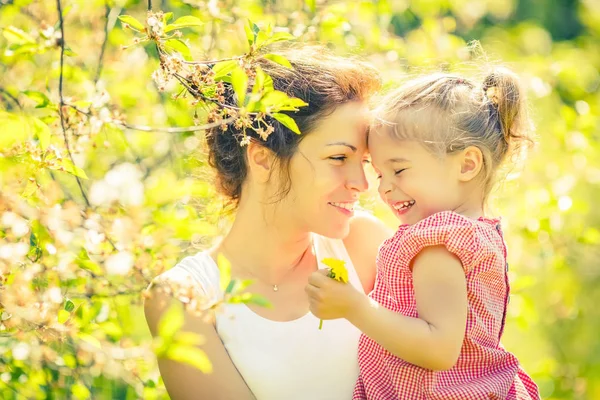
<point x="157" y="204"/>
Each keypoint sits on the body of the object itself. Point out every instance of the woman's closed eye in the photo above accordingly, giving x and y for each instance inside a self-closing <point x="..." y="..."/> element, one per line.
<point x="339" y="159"/>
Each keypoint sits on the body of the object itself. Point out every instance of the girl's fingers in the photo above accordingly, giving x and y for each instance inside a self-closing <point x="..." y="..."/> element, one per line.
<point x="317" y="279"/>
<point x="311" y="291"/>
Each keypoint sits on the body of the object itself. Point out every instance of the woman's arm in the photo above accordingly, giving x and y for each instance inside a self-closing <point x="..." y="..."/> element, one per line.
<point x="362" y="243"/>
<point x="185" y="382"/>
<point x="433" y="340"/>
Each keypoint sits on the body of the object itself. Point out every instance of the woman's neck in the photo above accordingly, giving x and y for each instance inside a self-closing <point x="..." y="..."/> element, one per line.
<point x="264" y="244"/>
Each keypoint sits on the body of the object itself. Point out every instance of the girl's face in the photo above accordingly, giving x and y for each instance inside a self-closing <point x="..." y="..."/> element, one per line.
<point x="327" y="172"/>
<point x="412" y="181"/>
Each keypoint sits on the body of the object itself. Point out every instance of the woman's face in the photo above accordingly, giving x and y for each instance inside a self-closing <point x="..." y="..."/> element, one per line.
<point x="327" y="173"/>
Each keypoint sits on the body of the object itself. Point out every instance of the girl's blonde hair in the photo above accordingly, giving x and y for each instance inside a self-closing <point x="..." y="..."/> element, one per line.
<point x="449" y="113"/>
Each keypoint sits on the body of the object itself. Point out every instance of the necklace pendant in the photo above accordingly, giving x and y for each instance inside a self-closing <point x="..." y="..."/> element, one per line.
<point x="275" y="288"/>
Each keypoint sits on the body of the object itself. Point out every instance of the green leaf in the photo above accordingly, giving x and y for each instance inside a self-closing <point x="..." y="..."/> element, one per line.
<point x="171" y="322"/>
<point x="279" y="59"/>
<point x="69" y="52"/>
<point x="184" y="22"/>
<point x="73" y="169"/>
<point x="16" y="35"/>
<point x="80" y="391"/>
<point x="190" y="355"/>
<point x="312" y="5"/>
<point x="180" y="47"/>
<point x="282" y="102"/>
<point x="279" y="37"/>
<point x="40" y="98"/>
<point x="224" y="271"/>
<point x="63" y="316"/>
<point x="90" y="340"/>
<point x="224" y="67"/>
<point x="167" y="17"/>
<point x="287" y="121"/>
<point x="251" y="298"/>
<point x="239" y="82"/>
<point x="261" y="38"/>
<point x="189" y="339"/>
<point x="15" y="129"/>
<point x="251" y="32"/>
<point x="42" y="132"/>
<point x="235" y="286"/>
<point x="69" y="305"/>
<point x="134" y="23"/>
<point x="84" y="262"/>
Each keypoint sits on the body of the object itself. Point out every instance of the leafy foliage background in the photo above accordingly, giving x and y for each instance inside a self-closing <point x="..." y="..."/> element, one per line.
<point x="82" y="236"/>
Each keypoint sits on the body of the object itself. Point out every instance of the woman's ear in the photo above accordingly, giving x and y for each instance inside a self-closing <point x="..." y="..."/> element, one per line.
<point x="471" y="163"/>
<point x="260" y="161"/>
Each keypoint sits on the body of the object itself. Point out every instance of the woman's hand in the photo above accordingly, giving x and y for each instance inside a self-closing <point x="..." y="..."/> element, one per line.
<point x="330" y="299"/>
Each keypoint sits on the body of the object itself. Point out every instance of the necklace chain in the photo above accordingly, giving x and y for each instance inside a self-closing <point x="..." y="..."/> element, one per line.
<point x="276" y="285"/>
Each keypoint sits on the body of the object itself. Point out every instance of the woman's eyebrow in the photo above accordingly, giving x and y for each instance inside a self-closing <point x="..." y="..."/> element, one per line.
<point x="397" y="160"/>
<point x="353" y="148"/>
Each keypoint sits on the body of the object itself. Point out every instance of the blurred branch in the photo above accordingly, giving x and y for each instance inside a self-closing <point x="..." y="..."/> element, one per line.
<point x="149" y="5"/>
<point x="7" y="94"/>
<point x="60" y="95"/>
<point x="111" y="19"/>
<point x="19" y="395"/>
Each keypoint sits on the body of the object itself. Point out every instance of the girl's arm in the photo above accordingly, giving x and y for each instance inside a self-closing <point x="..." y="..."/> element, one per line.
<point x="433" y="340"/>
<point x="185" y="382"/>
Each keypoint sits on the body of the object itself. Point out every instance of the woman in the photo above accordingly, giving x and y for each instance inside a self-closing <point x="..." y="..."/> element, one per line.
<point x="295" y="196"/>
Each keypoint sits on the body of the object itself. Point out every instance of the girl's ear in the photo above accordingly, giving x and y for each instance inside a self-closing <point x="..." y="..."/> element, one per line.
<point x="471" y="163"/>
<point x="260" y="161"/>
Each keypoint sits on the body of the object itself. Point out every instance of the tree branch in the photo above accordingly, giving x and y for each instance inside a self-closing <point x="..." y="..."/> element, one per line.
<point x="62" y="100"/>
<point x="111" y="19"/>
<point x="175" y="130"/>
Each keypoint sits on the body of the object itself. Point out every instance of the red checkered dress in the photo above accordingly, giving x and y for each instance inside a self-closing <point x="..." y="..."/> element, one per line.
<point x="484" y="370"/>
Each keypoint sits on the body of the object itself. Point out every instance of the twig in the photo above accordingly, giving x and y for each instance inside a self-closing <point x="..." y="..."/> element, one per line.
<point x="111" y="19"/>
<point x="175" y="130"/>
<point x="62" y="100"/>
<point x="144" y="128"/>
<point x="149" y="5"/>
<point x="212" y="61"/>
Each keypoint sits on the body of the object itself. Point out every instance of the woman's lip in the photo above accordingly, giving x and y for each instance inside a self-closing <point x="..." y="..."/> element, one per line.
<point x="345" y="211"/>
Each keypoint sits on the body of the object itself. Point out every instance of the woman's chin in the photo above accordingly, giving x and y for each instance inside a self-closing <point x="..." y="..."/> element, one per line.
<point x="333" y="230"/>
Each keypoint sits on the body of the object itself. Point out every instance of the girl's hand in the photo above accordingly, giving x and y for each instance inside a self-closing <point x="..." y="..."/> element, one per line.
<point x="330" y="299"/>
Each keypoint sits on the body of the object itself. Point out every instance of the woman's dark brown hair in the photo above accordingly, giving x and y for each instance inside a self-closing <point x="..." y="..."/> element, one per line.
<point x="319" y="78"/>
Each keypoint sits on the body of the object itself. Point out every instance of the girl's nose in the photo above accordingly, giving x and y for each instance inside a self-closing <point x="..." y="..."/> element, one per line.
<point x="384" y="188"/>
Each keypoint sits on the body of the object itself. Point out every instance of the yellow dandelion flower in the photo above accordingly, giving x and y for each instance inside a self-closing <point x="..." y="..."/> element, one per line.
<point x="337" y="271"/>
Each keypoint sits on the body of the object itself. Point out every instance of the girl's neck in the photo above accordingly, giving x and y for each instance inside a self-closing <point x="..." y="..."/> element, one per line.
<point x="472" y="206"/>
<point x="262" y="242"/>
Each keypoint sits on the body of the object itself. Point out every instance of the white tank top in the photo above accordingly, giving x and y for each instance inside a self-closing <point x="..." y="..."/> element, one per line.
<point x="291" y="360"/>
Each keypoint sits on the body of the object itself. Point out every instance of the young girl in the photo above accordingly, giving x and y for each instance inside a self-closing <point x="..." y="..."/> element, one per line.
<point x="432" y="324"/>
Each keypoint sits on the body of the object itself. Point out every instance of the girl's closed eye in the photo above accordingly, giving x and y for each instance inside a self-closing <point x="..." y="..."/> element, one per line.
<point x="398" y="171"/>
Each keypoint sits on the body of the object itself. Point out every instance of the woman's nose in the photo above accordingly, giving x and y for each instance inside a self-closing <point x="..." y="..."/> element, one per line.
<point x="358" y="179"/>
